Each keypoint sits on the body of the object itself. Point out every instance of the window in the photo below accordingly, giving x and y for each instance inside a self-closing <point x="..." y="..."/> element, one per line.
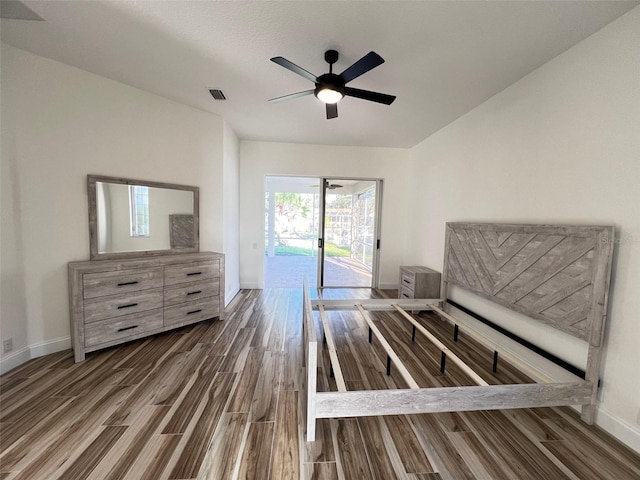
<point x="139" y="203"/>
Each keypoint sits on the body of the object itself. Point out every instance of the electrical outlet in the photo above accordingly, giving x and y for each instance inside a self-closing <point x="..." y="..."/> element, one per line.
<point x="7" y="345"/>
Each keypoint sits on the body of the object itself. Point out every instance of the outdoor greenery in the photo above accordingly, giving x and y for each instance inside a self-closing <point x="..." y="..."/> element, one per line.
<point x="295" y="230"/>
<point x="291" y="205"/>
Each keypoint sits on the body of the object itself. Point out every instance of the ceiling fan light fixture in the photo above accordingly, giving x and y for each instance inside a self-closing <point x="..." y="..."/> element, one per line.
<point x="331" y="87"/>
<point x="328" y="95"/>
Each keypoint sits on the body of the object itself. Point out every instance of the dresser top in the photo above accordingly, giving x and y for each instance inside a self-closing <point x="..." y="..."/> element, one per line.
<point x="142" y="261"/>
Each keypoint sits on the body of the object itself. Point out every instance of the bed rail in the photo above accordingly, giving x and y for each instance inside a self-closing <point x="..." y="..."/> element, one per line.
<point x="311" y="362"/>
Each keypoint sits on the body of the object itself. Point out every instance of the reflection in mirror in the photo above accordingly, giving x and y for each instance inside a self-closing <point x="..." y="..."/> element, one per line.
<point x="128" y="217"/>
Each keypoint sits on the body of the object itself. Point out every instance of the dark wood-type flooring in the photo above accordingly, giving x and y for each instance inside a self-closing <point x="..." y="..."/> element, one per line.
<point x="221" y="399"/>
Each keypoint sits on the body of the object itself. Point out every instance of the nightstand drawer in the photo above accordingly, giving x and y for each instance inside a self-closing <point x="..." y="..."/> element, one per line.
<point x="120" y="328"/>
<point x="124" y="281"/>
<point x="406" y="292"/>
<point x="407" y="280"/>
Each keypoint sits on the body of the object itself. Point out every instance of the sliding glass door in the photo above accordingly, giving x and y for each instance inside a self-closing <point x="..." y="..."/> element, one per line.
<point x="348" y="244"/>
<point x="321" y="229"/>
<point x="292" y="216"/>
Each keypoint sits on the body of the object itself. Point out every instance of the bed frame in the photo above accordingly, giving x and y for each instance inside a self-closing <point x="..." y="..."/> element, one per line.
<point x="557" y="275"/>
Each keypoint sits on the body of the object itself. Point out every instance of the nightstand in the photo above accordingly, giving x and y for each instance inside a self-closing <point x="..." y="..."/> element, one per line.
<point x="419" y="282"/>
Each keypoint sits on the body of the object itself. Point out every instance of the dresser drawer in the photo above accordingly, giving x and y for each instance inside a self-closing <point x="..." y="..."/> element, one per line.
<point x="191" y="272"/>
<point x="124" y="281"/>
<point x="189" y="292"/>
<point x="102" y="308"/>
<point x="192" y="311"/>
<point x="122" y="327"/>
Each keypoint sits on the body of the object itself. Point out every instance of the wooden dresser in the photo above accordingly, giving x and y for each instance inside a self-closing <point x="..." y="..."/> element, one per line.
<point x="419" y="282"/>
<point x="115" y="301"/>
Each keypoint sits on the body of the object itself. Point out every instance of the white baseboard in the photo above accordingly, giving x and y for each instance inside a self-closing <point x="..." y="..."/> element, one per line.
<point x="388" y="286"/>
<point x="9" y="362"/>
<point x="624" y="431"/>
<point x="252" y="286"/>
<point x="50" y="346"/>
<point x="231" y="295"/>
<point x="13" y="360"/>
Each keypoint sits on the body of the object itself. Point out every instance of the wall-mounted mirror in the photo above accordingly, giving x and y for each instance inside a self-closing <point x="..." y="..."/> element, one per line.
<point x="136" y="217"/>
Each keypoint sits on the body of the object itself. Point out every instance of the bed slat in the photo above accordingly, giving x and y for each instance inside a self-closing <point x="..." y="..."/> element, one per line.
<point x="387" y="348"/>
<point x="333" y="354"/>
<point x="443" y="348"/>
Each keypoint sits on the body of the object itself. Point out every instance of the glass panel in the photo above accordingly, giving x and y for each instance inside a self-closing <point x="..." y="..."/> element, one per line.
<point x="349" y="233"/>
<point x="291" y="231"/>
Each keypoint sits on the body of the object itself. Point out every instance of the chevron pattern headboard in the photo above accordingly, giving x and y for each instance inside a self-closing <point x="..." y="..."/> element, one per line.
<point x="558" y="275"/>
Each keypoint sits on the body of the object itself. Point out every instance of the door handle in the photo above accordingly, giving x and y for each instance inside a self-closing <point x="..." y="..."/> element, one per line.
<point x="320" y="243"/>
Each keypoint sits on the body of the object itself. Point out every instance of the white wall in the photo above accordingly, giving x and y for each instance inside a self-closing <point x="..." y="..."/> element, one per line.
<point x="258" y="159"/>
<point x="560" y="146"/>
<point x="59" y="124"/>
<point x="13" y="303"/>
<point x="231" y="211"/>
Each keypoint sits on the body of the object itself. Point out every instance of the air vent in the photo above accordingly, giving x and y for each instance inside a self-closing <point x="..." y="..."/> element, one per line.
<point x="217" y="94"/>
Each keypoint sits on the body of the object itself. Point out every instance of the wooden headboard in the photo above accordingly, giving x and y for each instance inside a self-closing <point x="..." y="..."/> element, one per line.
<point x="556" y="274"/>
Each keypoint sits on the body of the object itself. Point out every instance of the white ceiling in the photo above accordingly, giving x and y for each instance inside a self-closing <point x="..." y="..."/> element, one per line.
<point x="443" y="58"/>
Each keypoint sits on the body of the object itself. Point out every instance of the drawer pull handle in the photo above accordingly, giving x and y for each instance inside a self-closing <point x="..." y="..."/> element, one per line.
<point x="127" y="306"/>
<point x="405" y="280"/>
<point x="127" y="328"/>
<point x="193" y="273"/>
<point x="405" y="295"/>
<point x="194" y="293"/>
<point x="123" y="284"/>
<point x="194" y="311"/>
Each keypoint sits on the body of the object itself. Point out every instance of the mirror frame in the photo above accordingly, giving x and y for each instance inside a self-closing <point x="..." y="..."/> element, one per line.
<point x="93" y="220"/>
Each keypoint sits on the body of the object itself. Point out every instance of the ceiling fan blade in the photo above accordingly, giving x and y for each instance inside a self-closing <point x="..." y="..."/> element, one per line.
<point x="332" y="110"/>
<point x="14" y="10"/>
<point x="283" y="62"/>
<point x="291" y="96"/>
<point x="370" y="61"/>
<point x="371" y="96"/>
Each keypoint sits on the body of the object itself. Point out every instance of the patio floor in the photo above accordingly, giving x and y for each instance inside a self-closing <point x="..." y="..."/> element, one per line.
<point x="287" y="271"/>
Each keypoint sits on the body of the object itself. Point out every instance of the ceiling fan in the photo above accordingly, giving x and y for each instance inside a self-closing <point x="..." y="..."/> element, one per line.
<point x="330" y="186"/>
<point x="330" y="87"/>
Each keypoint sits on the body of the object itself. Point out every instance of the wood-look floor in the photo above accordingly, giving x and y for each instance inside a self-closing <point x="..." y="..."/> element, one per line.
<point x="221" y="399"/>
